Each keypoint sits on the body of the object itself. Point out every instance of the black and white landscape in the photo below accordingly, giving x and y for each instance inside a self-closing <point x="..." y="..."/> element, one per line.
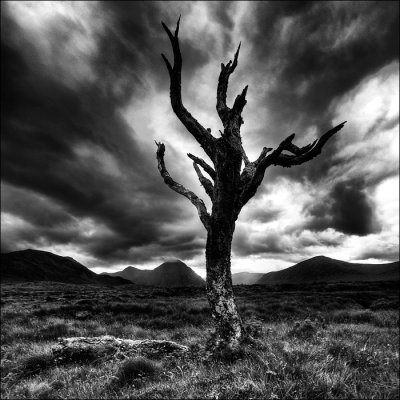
<point x="270" y="270"/>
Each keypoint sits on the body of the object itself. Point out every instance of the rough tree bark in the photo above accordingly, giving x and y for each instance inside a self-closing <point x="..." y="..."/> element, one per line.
<point x="230" y="186"/>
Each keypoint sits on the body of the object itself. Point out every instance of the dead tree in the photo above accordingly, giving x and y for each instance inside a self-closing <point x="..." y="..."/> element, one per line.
<point x="229" y="186"/>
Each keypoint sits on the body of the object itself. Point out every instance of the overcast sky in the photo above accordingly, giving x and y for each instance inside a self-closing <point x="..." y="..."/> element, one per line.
<point x="85" y="93"/>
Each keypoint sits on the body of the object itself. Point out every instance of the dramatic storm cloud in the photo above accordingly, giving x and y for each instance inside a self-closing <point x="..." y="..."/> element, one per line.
<point x="85" y="94"/>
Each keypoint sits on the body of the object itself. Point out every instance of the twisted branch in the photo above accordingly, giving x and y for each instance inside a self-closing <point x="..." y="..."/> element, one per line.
<point x="202" y="135"/>
<point x="210" y="170"/>
<point x="223" y="80"/>
<point x="177" y="187"/>
<point x="206" y="183"/>
<point x="253" y="174"/>
<point x="304" y="154"/>
<point x="244" y="156"/>
<point x="240" y="101"/>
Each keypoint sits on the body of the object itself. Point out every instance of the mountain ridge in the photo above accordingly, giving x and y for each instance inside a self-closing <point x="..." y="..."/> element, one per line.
<point x="37" y="265"/>
<point x="325" y="269"/>
<point x="169" y="274"/>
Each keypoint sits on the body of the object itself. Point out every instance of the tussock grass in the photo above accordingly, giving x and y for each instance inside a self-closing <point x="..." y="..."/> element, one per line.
<point x="322" y="341"/>
<point x="136" y="371"/>
<point x="36" y="363"/>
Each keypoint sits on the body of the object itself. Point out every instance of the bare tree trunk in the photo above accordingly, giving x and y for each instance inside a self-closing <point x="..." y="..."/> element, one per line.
<point x="229" y="328"/>
<point x="227" y="160"/>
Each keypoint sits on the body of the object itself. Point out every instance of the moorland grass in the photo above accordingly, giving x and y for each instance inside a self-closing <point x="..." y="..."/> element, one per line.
<point x="316" y="341"/>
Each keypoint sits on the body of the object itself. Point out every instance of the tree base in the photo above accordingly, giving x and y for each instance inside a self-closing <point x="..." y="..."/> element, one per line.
<point x="94" y="349"/>
<point x="220" y="342"/>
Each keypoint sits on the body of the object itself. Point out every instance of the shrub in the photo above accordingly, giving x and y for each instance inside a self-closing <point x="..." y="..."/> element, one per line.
<point x="386" y="319"/>
<point x="340" y="349"/>
<point x="304" y="330"/>
<point x="361" y="359"/>
<point x="385" y="304"/>
<point x="137" y="368"/>
<point x="36" y="363"/>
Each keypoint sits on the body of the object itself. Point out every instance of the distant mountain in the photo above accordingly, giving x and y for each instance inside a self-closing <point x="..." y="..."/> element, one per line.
<point x="246" y="278"/>
<point x="139" y="276"/>
<point x="35" y="265"/>
<point x="170" y="274"/>
<point x="325" y="269"/>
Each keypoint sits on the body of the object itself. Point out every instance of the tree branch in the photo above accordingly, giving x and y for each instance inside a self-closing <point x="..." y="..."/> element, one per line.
<point x="210" y="170"/>
<point x="253" y="175"/>
<point x="244" y="156"/>
<point x="250" y="168"/>
<point x="240" y="101"/>
<point x="223" y="80"/>
<point x="264" y="152"/>
<point x="304" y="154"/>
<point x="206" y="183"/>
<point x="202" y="135"/>
<point x="177" y="187"/>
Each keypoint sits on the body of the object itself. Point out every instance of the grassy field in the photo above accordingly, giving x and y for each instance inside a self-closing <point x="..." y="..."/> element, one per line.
<point x="316" y="341"/>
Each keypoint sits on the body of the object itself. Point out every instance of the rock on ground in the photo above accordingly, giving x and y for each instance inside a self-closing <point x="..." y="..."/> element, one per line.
<point x="90" y="349"/>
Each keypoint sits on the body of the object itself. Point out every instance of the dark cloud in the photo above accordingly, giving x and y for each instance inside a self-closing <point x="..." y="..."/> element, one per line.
<point x="347" y="208"/>
<point x="261" y="215"/>
<point x="73" y="147"/>
<point x="326" y="50"/>
<point x="352" y="210"/>
<point x="41" y="212"/>
<point x="221" y="12"/>
<point x="270" y="243"/>
<point x="312" y="53"/>
<point x="133" y="43"/>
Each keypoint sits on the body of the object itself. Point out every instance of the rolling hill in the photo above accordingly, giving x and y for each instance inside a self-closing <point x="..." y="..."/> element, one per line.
<point x="246" y="278"/>
<point x="169" y="274"/>
<point x="35" y="265"/>
<point x="325" y="269"/>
